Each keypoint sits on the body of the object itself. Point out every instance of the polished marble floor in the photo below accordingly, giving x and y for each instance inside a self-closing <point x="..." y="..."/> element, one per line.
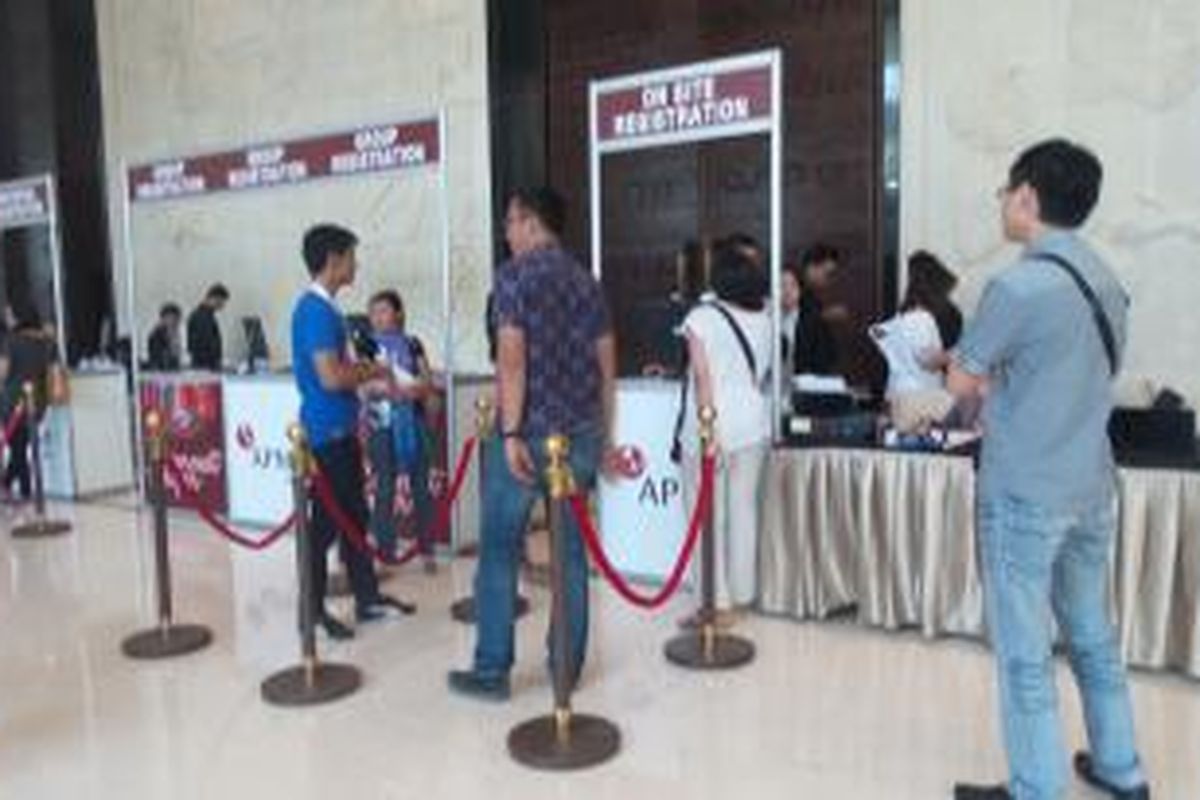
<point x="827" y="710"/>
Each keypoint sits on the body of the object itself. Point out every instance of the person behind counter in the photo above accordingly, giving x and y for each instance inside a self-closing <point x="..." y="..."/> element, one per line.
<point x="30" y="354"/>
<point x="203" y="331"/>
<point x="816" y="349"/>
<point x="163" y="350"/>
<point x="915" y="342"/>
<point x="396" y="426"/>
<point x="328" y="382"/>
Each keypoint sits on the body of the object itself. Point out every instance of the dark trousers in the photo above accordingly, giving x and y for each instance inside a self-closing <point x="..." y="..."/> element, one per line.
<point x="18" y="462"/>
<point x="341" y="463"/>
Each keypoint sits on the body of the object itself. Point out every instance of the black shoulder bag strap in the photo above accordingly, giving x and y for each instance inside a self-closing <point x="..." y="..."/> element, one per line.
<point x="1102" y="323"/>
<point x="751" y="362"/>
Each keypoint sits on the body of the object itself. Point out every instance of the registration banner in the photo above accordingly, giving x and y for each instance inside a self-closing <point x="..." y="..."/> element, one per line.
<point x="258" y="412"/>
<point x="691" y="103"/>
<point x="374" y="148"/>
<point x="25" y="202"/>
<point x="642" y="514"/>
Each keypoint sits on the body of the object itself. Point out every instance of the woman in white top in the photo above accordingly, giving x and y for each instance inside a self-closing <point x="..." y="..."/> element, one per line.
<point x="731" y="378"/>
<point x="913" y="344"/>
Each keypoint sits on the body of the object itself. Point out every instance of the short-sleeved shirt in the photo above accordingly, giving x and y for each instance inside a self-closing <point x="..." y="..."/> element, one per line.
<point x="739" y="397"/>
<point x="1050" y="396"/>
<point x="560" y="309"/>
<point x="318" y="327"/>
<point x="906" y="341"/>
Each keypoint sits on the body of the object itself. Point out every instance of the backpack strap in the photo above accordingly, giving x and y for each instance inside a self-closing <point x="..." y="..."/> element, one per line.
<point x="1103" y="326"/>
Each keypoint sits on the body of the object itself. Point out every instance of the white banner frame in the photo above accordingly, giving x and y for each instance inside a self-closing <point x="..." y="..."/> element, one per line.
<point x="771" y="59"/>
<point x="127" y="205"/>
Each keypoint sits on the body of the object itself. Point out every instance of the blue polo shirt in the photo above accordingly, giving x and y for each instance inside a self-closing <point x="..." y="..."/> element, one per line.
<point x="1050" y="395"/>
<point x="318" y="327"/>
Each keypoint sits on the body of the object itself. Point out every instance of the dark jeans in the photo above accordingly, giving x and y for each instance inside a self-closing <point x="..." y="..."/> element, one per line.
<point x="18" y="462"/>
<point x="341" y="463"/>
<point x="506" y="506"/>
<point x="382" y="451"/>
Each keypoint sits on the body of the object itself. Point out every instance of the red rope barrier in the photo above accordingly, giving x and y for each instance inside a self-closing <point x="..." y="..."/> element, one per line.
<point x="358" y="537"/>
<point x="351" y="529"/>
<point x="192" y="501"/>
<point x="592" y="539"/>
<point x="447" y="501"/>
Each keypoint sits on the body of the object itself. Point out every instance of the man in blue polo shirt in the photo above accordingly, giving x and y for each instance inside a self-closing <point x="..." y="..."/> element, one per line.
<point x="1046" y="341"/>
<point x="328" y="380"/>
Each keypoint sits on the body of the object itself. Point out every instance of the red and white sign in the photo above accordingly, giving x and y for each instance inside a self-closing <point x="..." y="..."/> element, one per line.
<point x="24" y="203"/>
<point x="707" y="100"/>
<point x="377" y="148"/>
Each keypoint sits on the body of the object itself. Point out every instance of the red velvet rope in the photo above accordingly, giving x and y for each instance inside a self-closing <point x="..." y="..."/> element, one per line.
<point x="358" y="537"/>
<point x="447" y="501"/>
<point x="192" y="501"/>
<point x="592" y="539"/>
<point x="351" y="529"/>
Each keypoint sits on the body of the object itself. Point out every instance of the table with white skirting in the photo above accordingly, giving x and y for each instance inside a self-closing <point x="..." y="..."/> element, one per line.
<point x="891" y="537"/>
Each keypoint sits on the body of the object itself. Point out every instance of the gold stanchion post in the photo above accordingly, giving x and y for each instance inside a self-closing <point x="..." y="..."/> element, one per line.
<point x="39" y="526"/>
<point x="168" y="639"/>
<point x="562" y="740"/>
<point x="708" y="648"/>
<point x="463" y="609"/>
<point x="313" y="681"/>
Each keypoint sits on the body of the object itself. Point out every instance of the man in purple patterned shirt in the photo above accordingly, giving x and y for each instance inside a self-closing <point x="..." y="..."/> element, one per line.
<point x="555" y="374"/>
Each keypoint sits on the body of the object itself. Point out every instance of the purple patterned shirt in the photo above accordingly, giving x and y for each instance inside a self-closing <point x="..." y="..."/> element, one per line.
<point x="560" y="308"/>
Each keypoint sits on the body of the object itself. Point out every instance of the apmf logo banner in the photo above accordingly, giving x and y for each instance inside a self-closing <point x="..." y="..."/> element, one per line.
<point x="641" y="510"/>
<point x="257" y="415"/>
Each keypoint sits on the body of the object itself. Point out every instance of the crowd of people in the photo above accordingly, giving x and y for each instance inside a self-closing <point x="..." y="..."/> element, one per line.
<point x="1042" y="348"/>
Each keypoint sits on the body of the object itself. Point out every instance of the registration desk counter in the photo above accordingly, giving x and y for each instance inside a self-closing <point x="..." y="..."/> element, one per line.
<point x="257" y="411"/>
<point x="891" y="537"/>
<point x="87" y="444"/>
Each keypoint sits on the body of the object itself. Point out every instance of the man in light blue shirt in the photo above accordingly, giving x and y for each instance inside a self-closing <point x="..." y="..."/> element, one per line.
<point x="1041" y="352"/>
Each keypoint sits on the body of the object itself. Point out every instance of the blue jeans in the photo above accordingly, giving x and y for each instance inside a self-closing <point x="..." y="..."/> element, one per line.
<point x="382" y="451"/>
<point x="506" y="506"/>
<point x="1038" y="562"/>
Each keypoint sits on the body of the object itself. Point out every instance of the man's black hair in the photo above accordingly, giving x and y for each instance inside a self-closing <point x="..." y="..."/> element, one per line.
<point x="325" y="240"/>
<point x="170" y="309"/>
<point x="743" y="240"/>
<point x="389" y="296"/>
<point x="217" y="291"/>
<point x="819" y="253"/>
<point x="737" y="279"/>
<point x="544" y="203"/>
<point x="1066" y="177"/>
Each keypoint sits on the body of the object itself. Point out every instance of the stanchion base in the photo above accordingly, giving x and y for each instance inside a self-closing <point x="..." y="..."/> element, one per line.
<point x="174" y="640"/>
<point x="330" y="682"/>
<point x="40" y="528"/>
<point x="590" y="741"/>
<point x="728" y="651"/>
<point x="463" y="610"/>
